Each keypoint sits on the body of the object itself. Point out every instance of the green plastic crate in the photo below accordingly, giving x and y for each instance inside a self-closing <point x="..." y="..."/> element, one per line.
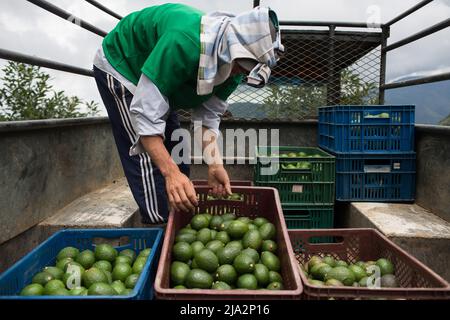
<point x="309" y="165"/>
<point x="295" y="194"/>
<point x="321" y="217"/>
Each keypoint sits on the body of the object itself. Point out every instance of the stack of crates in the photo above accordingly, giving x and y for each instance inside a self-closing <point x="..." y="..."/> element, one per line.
<point x="304" y="178"/>
<point x="374" y="149"/>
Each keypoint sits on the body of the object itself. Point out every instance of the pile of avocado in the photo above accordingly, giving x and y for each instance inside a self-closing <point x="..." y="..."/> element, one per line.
<point x="224" y="252"/>
<point x="232" y="197"/>
<point x="301" y="165"/>
<point x="328" y="271"/>
<point x="104" y="271"/>
<point x="383" y="115"/>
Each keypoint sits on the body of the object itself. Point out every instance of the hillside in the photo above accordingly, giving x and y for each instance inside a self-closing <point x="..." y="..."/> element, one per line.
<point x="432" y="100"/>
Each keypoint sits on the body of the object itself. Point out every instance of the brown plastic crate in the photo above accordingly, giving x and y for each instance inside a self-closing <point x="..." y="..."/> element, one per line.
<point x="417" y="281"/>
<point x="234" y="183"/>
<point x="257" y="202"/>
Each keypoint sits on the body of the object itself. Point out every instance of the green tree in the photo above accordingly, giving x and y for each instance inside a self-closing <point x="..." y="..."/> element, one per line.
<point x="445" y="121"/>
<point x="26" y="94"/>
<point x="302" y="101"/>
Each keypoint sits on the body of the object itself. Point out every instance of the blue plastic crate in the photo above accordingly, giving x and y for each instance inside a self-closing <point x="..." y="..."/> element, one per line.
<point x="20" y="274"/>
<point x="377" y="178"/>
<point x="367" y="129"/>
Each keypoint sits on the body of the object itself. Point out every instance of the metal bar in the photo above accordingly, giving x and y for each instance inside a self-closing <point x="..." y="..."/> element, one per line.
<point x="67" y="16"/>
<point x="334" y="79"/>
<point x="328" y="23"/>
<point x="104" y="9"/>
<point x="20" y="57"/>
<point x="383" y="60"/>
<point x="419" y="35"/>
<point x="436" y="78"/>
<point x="255" y="3"/>
<point x="408" y="12"/>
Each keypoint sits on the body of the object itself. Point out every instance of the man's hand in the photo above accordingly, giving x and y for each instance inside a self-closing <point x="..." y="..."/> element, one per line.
<point x="219" y="181"/>
<point x="180" y="192"/>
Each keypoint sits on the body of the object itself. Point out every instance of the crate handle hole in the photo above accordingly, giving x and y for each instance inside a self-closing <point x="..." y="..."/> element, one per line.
<point x="320" y="240"/>
<point x="115" y="242"/>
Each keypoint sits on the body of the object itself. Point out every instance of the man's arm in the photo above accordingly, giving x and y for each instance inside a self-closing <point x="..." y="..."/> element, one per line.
<point x="180" y="191"/>
<point x="207" y="118"/>
<point x="148" y="111"/>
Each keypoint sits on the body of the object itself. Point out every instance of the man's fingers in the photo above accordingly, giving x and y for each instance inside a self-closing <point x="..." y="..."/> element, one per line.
<point x="220" y="190"/>
<point x="185" y="200"/>
<point x="228" y="188"/>
<point x="190" y="193"/>
<point x="178" y="202"/>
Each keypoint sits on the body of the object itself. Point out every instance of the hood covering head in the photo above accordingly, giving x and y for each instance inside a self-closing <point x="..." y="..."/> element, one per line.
<point x="252" y="37"/>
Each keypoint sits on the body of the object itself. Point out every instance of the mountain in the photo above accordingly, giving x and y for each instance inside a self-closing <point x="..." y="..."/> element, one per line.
<point x="432" y="100"/>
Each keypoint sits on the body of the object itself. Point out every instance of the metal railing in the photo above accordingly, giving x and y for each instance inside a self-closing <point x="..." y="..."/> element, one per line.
<point x="408" y="40"/>
<point x="326" y="66"/>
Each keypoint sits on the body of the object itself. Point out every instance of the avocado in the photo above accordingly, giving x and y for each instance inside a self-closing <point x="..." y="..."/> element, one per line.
<point x="247" y="281"/>
<point x="386" y="266"/>
<point x="204" y="235"/>
<point x="227" y="254"/>
<point x="67" y="252"/>
<point x="223" y="237"/>
<point x="86" y="258"/>
<point x="226" y="273"/>
<point x="198" y="279"/>
<point x="262" y="274"/>
<point x="243" y="263"/>
<point x="214" y="246"/>
<point x="342" y="274"/>
<point x="267" y="231"/>
<point x="182" y="251"/>
<point x="215" y="222"/>
<point x="219" y="285"/>
<point x="270" y="260"/>
<point x="185" y="237"/>
<point x="34" y="289"/>
<point x="199" y="221"/>
<point x="196" y="246"/>
<point x="252" y="239"/>
<point x="389" y="281"/>
<point x="252" y="253"/>
<point x="228" y="217"/>
<point x="275" y="276"/>
<point x="207" y="260"/>
<point x="260" y="221"/>
<point x="275" y="286"/>
<point x="269" y="245"/>
<point x="237" y="229"/>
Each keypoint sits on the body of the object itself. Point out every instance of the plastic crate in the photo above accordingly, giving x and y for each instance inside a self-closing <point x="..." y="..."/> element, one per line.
<point x="416" y="280"/>
<point x="234" y="183"/>
<point x="358" y="129"/>
<point x="316" y="217"/>
<point x="20" y="274"/>
<point x="309" y="217"/>
<point x="256" y="202"/>
<point x="388" y="177"/>
<point x="303" y="193"/>
<point x="273" y="168"/>
<point x="313" y="184"/>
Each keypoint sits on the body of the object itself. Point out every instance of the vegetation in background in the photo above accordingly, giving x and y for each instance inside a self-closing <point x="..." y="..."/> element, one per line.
<point x="445" y="121"/>
<point x="26" y="94"/>
<point x="301" y="102"/>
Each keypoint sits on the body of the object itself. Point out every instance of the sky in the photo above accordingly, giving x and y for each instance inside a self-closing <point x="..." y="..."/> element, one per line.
<point x="32" y="30"/>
